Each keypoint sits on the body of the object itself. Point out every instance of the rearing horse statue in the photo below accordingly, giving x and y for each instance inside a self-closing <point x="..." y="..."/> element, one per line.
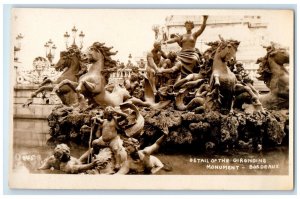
<point x="223" y="84"/>
<point x="71" y="61"/>
<point x="276" y="77"/>
<point x="92" y="84"/>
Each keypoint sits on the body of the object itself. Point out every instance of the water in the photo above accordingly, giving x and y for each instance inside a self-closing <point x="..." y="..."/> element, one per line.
<point x="275" y="159"/>
<point x="30" y="149"/>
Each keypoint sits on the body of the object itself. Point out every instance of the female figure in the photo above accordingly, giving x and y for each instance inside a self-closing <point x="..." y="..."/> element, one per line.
<point x="189" y="56"/>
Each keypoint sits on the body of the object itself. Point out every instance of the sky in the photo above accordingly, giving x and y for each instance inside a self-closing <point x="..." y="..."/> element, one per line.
<point x="129" y="31"/>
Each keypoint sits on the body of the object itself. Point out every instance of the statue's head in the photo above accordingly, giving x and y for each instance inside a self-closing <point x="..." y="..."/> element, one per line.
<point x="239" y="66"/>
<point x="108" y="113"/>
<point x="172" y="56"/>
<point x="189" y="25"/>
<point x="62" y="153"/>
<point x="132" y="146"/>
<point x="157" y="45"/>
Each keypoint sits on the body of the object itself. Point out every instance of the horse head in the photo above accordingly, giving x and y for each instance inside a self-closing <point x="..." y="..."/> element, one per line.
<point x="67" y="58"/>
<point x="99" y="52"/>
<point x="280" y="56"/>
<point x="227" y="49"/>
<point x="275" y="54"/>
<point x="63" y="61"/>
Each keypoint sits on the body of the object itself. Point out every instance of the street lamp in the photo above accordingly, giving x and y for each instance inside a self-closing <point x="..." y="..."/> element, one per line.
<point x="50" y="50"/>
<point x="66" y="36"/>
<point x="74" y="31"/>
<point x="81" y="36"/>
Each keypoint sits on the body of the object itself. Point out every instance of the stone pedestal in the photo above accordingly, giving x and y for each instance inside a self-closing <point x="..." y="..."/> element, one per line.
<point x="30" y="123"/>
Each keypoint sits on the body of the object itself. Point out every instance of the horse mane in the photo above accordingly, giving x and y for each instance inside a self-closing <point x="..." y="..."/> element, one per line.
<point x="264" y="67"/>
<point x="74" y="50"/>
<point x="110" y="65"/>
<point x="224" y="43"/>
<point x="219" y="45"/>
<point x="213" y="47"/>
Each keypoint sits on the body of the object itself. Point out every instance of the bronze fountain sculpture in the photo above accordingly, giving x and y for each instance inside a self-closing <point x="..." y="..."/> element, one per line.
<point x="192" y="104"/>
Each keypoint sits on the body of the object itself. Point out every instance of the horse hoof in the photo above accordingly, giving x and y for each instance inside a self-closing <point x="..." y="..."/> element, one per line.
<point x="217" y="84"/>
<point x="78" y="90"/>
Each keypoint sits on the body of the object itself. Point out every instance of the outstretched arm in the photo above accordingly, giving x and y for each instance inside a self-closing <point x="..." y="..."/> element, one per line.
<point x="47" y="164"/>
<point x="199" y="32"/>
<point x="74" y="169"/>
<point x="173" y="40"/>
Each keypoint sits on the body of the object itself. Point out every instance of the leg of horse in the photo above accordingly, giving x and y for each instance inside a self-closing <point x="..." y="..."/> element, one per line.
<point x="41" y="89"/>
<point x="72" y="84"/>
<point x="254" y="95"/>
<point x="34" y="94"/>
<point x="217" y="80"/>
<point x="46" y="81"/>
<point x="91" y="87"/>
<point x="249" y="90"/>
<point x="215" y="91"/>
<point x="253" y="89"/>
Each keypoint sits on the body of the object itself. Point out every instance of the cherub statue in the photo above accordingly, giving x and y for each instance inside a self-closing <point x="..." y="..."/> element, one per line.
<point x="108" y="134"/>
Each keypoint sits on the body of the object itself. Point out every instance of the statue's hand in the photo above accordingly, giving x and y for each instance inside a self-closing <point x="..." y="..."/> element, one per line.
<point x="56" y="88"/>
<point x="96" y="162"/>
<point x="159" y="71"/>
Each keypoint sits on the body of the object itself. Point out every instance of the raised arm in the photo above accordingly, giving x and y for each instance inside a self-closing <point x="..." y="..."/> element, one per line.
<point x="199" y="32"/>
<point x="154" y="147"/>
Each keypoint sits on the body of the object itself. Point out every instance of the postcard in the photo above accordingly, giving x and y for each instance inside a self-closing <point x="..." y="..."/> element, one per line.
<point x="152" y="99"/>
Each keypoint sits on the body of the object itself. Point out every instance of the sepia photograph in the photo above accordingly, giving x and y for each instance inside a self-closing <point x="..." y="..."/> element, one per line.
<point x="165" y="99"/>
